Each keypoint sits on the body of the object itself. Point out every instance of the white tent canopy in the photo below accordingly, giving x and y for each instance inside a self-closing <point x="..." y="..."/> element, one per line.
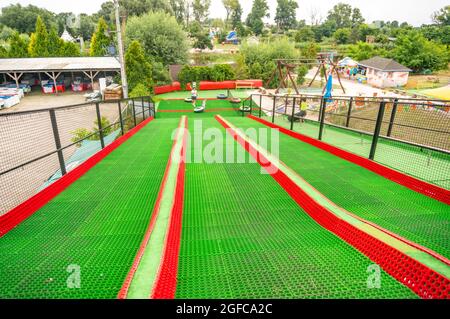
<point x="66" y="36"/>
<point x="347" y="61"/>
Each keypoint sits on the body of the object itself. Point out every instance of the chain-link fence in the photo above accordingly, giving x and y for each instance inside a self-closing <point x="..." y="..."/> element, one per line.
<point x="38" y="147"/>
<point x="409" y="135"/>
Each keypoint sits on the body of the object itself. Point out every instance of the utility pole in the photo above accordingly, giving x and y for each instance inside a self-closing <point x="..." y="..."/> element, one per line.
<point x="121" y="54"/>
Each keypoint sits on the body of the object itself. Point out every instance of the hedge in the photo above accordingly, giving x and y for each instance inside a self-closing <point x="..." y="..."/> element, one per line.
<point x="217" y="73"/>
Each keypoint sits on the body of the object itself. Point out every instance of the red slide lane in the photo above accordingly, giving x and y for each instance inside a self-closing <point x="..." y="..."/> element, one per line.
<point x="423" y="281"/>
<point x="166" y="282"/>
<point x="412" y="183"/>
<point x="18" y="214"/>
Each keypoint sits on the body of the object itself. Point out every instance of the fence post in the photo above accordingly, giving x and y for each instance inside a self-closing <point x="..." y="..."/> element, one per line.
<point x="143" y="109"/>
<point x="151" y="107"/>
<point x="273" y="111"/>
<point x="134" y="113"/>
<point x="58" y="142"/>
<point x="120" y="117"/>
<point x="349" y="114"/>
<point x="260" y="105"/>
<point x="376" y="134"/>
<point x="323" y="105"/>
<point x="392" y="120"/>
<point x="100" y="128"/>
<point x="251" y="104"/>
<point x="293" y="113"/>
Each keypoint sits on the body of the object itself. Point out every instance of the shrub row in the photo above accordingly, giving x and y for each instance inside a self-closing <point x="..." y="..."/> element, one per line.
<point x="217" y="73"/>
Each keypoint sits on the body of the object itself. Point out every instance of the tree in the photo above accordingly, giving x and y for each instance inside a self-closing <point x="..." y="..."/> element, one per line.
<point x="55" y="44"/>
<point x="260" y="10"/>
<point x="302" y="71"/>
<point x="161" y="36"/>
<point x="419" y="54"/>
<point x="309" y="51"/>
<point x="286" y="15"/>
<point x="326" y="29"/>
<point x="100" y="40"/>
<point x="202" y="41"/>
<point x="258" y="59"/>
<point x="228" y="5"/>
<point x="442" y="17"/>
<point x="363" y="51"/>
<point x="200" y="36"/>
<point x="341" y="14"/>
<point x="200" y="9"/>
<point x="363" y="31"/>
<point x="6" y="33"/>
<point x="137" y="7"/>
<point x="179" y="10"/>
<point x="357" y="18"/>
<point x="158" y="5"/>
<point x="236" y="17"/>
<point x="342" y="36"/>
<point x="85" y="28"/>
<point x="39" y="40"/>
<point x="17" y="46"/>
<point x="70" y="49"/>
<point x="138" y="67"/>
<point x="107" y="12"/>
<point x="304" y="34"/>
<point x="3" y="52"/>
<point x="23" y="19"/>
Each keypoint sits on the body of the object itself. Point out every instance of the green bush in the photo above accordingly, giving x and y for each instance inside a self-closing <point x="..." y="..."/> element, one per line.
<point x="82" y="133"/>
<point x="258" y="60"/>
<point x="140" y="90"/>
<point x="302" y="70"/>
<point x="222" y="72"/>
<point x="219" y="72"/>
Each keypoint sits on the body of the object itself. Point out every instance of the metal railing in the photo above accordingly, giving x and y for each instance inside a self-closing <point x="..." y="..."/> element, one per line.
<point x="408" y="134"/>
<point x="37" y="147"/>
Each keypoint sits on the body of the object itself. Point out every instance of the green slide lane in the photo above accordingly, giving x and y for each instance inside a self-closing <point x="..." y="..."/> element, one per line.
<point x="244" y="237"/>
<point x="146" y="274"/>
<point x="83" y="243"/>
<point x="372" y="197"/>
<point x="166" y="109"/>
<point x="422" y="257"/>
<point x="430" y="166"/>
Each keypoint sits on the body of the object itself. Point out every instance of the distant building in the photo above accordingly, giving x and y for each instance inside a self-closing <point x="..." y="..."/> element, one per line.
<point x="383" y="73"/>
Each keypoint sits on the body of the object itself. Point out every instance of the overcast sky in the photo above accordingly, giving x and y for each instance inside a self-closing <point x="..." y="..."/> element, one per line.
<point x="415" y="12"/>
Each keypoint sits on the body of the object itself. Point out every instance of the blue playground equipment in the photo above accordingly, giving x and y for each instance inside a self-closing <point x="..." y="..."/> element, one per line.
<point x="232" y="37"/>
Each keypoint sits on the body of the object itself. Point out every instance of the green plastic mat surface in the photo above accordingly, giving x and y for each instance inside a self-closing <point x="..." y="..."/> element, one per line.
<point x="244" y="237"/>
<point x="430" y="166"/>
<point x="243" y="93"/>
<point x="175" y="109"/>
<point x="83" y="243"/>
<point x="407" y="213"/>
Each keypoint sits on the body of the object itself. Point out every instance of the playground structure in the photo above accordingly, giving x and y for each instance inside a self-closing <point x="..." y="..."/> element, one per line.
<point x="286" y="68"/>
<point x="232" y="38"/>
<point x="143" y="221"/>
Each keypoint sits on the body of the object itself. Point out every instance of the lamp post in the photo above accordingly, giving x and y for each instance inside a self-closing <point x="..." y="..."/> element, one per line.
<point x="121" y="54"/>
